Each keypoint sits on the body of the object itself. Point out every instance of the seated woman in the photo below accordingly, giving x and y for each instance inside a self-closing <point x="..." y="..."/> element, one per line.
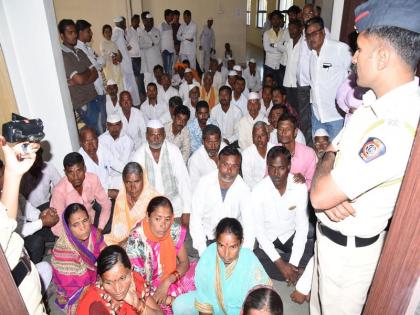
<point x="131" y="203"/>
<point x="224" y="274"/>
<point x="118" y="289"/>
<point x="156" y="250"/>
<point x="74" y="256"/>
<point x="262" y="300"/>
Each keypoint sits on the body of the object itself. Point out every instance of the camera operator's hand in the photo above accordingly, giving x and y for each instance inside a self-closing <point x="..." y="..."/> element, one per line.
<point x="49" y="217"/>
<point x="17" y="161"/>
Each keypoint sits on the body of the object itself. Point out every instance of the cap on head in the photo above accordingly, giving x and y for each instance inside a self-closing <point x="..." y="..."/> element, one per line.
<point x="237" y="68"/>
<point x="113" y="118"/>
<point x="193" y="85"/>
<point x="252" y="60"/>
<point x="232" y="73"/>
<point x="321" y="132"/>
<point x="187" y="70"/>
<point x="118" y="19"/>
<point x="253" y="96"/>
<point x="154" y="124"/>
<point x="149" y="16"/>
<point x="111" y="82"/>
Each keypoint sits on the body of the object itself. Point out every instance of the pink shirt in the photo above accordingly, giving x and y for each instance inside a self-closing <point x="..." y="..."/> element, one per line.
<point x="304" y="162"/>
<point x="64" y="194"/>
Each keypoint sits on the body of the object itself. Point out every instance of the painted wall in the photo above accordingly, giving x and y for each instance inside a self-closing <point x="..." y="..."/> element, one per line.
<point x="254" y="34"/>
<point x="229" y="20"/>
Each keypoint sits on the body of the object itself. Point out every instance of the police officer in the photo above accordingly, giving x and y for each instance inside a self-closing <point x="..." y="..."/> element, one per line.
<point x="356" y="184"/>
<point x="23" y="270"/>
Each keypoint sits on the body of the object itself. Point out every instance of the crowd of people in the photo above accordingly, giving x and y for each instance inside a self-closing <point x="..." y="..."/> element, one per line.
<point x="197" y="183"/>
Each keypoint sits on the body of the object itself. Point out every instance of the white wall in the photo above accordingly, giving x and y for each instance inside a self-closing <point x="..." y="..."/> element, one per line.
<point x="29" y="39"/>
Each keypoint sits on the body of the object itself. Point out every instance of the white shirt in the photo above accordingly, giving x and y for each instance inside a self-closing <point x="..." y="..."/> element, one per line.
<point x="187" y="32"/>
<point x="226" y="121"/>
<point x="111" y="108"/>
<point x="253" y="81"/>
<point x="150" y="48"/>
<point x="97" y="61"/>
<point x="132" y="37"/>
<point x="299" y="137"/>
<point x="166" y="95"/>
<point x="159" y="111"/>
<point x="328" y="71"/>
<point x="273" y="55"/>
<point x="292" y="53"/>
<point x="207" y="38"/>
<point x="135" y="128"/>
<point x="254" y="166"/>
<point x="244" y="129"/>
<point x="37" y="190"/>
<point x="280" y="216"/>
<point x="184" y="89"/>
<point x="241" y="103"/>
<point x="383" y="128"/>
<point x="118" y="37"/>
<point x="181" y="202"/>
<point x="166" y="37"/>
<point x="27" y="218"/>
<point x="201" y="164"/>
<point x="217" y="80"/>
<point x="208" y="208"/>
<point x="264" y="110"/>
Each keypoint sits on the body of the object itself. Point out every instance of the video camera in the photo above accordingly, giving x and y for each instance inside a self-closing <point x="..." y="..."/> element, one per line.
<point x="21" y="129"/>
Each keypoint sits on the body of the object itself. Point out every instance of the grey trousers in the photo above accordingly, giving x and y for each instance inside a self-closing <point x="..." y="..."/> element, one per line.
<point x="305" y="113"/>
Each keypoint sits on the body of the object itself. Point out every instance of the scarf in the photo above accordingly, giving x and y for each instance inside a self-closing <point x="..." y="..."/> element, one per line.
<point x="210" y="97"/>
<point x="218" y="283"/>
<point x="167" y="249"/>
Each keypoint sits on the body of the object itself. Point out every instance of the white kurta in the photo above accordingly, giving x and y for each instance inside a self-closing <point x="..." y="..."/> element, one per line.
<point x="208" y="208"/>
<point x="264" y="110"/>
<point x="166" y="95"/>
<point x="181" y="202"/>
<point x="135" y="128"/>
<point x="150" y="47"/>
<point x="254" y="166"/>
<point x="241" y="103"/>
<point x="187" y="47"/>
<point x="184" y="89"/>
<point x="159" y="111"/>
<point x="126" y="65"/>
<point x="244" y="129"/>
<point x="201" y="164"/>
<point x="226" y="121"/>
<point x="111" y="108"/>
<point x="253" y="81"/>
<point x="280" y="216"/>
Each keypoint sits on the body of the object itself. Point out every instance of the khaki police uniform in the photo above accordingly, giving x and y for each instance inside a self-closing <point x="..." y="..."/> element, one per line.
<point x="372" y="154"/>
<point x="12" y="245"/>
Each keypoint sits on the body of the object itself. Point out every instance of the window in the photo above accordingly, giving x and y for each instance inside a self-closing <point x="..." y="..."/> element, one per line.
<point x="248" y="12"/>
<point x="284" y="5"/>
<point x="261" y="13"/>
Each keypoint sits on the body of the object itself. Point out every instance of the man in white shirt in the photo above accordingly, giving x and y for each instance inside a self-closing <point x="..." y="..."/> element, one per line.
<point x="246" y="123"/>
<point x="132" y="35"/>
<point x="167" y="46"/>
<point x="205" y="158"/>
<point x="84" y="38"/>
<point x="252" y="76"/>
<point x="153" y="107"/>
<point x="187" y="80"/>
<point x="254" y="166"/>
<point x="207" y="43"/>
<point x="166" y="91"/>
<point x="217" y="75"/>
<point x="273" y="41"/>
<point x="112" y="99"/>
<point x="118" y="37"/>
<point x="292" y="52"/>
<point x="226" y="115"/>
<point x="281" y="219"/>
<point x="239" y="73"/>
<point x="177" y="131"/>
<point x="329" y="67"/>
<point x="118" y="143"/>
<point x="99" y="160"/>
<point x="219" y="194"/>
<point x="133" y="121"/>
<point x="186" y="34"/>
<point x="239" y="99"/>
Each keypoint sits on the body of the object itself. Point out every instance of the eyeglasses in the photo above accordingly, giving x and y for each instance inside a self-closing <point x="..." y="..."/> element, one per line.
<point x="309" y="35"/>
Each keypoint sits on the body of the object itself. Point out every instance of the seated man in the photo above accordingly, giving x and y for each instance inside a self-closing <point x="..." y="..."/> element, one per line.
<point x="187" y="80"/>
<point x="208" y="92"/>
<point x="119" y="144"/>
<point x="226" y="115"/>
<point x="205" y="159"/>
<point x="246" y="123"/>
<point x="254" y="164"/>
<point x="177" y="133"/>
<point x="133" y="121"/>
<point x="303" y="157"/>
<point x="165" y="168"/>
<point x="266" y="100"/>
<point x="38" y="182"/>
<point x="174" y="101"/>
<point x="273" y="117"/>
<point x="193" y="98"/>
<point x="100" y="161"/>
<point x="321" y="141"/>
<point x="239" y="98"/>
<point x="79" y="186"/>
<point x="154" y="107"/>
<point x="219" y="194"/>
<point x="112" y="104"/>
<point x="197" y="124"/>
<point x="281" y="219"/>
<point x="252" y="76"/>
<point x="166" y="91"/>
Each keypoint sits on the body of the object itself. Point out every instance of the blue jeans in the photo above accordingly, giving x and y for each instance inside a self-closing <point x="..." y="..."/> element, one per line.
<point x="90" y="115"/>
<point x="167" y="61"/>
<point x="332" y="127"/>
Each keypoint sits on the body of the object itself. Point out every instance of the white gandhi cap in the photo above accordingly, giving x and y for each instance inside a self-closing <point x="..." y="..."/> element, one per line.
<point x="118" y="19"/>
<point x="321" y="133"/>
<point x="187" y="70"/>
<point x="237" y="68"/>
<point x="154" y="124"/>
<point x="111" y="82"/>
<point x="113" y="118"/>
<point x="253" y="96"/>
<point x="232" y="73"/>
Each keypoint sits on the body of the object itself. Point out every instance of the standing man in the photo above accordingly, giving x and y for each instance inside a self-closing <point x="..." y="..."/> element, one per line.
<point x="175" y="28"/>
<point x="356" y="184"/>
<point x="274" y="48"/>
<point x="133" y="39"/>
<point x="118" y="37"/>
<point x="80" y="74"/>
<point x="329" y="66"/>
<point x="84" y="38"/>
<point x="186" y="34"/>
<point x="207" y="43"/>
<point x="167" y="47"/>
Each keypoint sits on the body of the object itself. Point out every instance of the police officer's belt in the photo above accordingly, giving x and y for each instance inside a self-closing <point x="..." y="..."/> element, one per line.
<point x="341" y="239"/>
<point x="22" y="269"/>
